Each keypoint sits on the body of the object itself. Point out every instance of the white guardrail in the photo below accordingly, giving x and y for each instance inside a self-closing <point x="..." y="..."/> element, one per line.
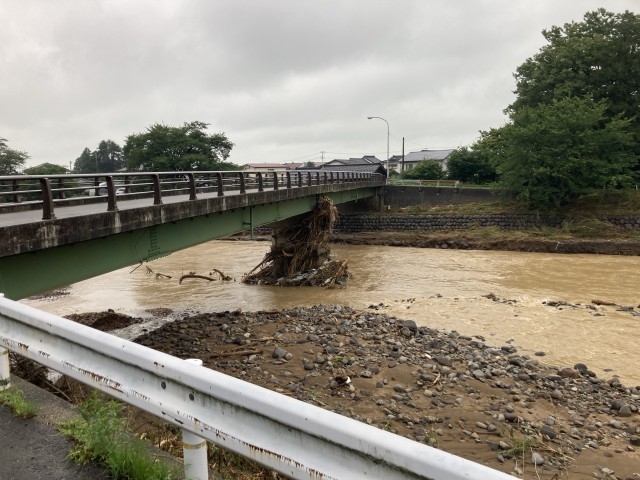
<point x="294" y="438"/>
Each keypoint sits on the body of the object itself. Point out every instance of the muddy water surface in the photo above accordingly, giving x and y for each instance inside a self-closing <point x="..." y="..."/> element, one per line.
<point x="444" y="289"/>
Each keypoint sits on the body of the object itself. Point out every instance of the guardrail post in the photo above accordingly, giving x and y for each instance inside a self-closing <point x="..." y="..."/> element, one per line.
<point x="192" y="186"/>
<point x="47" y="199"/>
<point x="260" y="182"/>
<point x="194" y="449"/>
<point x="288" y="180"/>
<point x="5" y="375"/>
<point x="326" y="177"/>
<point x="157" y="193"/>
<point x="317" y="178"/>
<point x="309" y="178"/>
<point x="275" y="180"/>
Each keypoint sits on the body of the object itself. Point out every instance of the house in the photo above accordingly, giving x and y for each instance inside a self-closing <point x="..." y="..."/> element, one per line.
<point x="411" y="159"/>
<point x="270" y="167"/>
<point x="366" y="164"/>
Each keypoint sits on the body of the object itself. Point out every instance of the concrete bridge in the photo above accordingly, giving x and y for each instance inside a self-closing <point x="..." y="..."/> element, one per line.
<point x="60" y="229"/>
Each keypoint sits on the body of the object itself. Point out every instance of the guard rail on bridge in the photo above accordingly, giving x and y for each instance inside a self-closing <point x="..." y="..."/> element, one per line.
<point x="18" y="192"/>
<point x="292" y="437"/>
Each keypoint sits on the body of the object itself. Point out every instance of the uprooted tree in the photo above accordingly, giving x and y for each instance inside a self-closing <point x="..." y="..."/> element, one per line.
<point x="303" y="257"/>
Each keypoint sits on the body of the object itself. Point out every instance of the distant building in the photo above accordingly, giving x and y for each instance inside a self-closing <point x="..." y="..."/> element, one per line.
<point x="270" y="167"/>
<point x="366" y="164"/>
<point x="411" y="159"/>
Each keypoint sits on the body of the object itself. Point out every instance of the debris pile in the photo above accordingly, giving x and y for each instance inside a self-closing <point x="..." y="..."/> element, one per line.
<point x="304" y="258"/>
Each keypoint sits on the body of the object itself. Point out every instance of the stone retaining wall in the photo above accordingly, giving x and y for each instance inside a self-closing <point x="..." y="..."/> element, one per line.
<point x="400" y="222"/>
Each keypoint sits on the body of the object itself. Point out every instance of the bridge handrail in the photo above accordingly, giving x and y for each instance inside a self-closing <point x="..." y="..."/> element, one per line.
<point x="292" y="437"/>
<point x="49" y="191"/>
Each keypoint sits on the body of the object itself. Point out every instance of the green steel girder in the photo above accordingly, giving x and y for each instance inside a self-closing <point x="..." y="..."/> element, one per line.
<point x="42" y="270"/>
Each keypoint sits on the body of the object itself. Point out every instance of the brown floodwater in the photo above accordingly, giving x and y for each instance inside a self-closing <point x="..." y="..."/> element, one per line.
<point x="444" y="289"/>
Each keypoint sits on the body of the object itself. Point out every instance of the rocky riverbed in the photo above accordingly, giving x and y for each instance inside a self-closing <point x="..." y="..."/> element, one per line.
<point x="487" y="403"/>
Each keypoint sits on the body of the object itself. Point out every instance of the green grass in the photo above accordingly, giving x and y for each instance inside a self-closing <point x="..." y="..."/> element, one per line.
<point x="594" y="205"/>
<point x="101" y="434"/>
<point x="14" y="399"/>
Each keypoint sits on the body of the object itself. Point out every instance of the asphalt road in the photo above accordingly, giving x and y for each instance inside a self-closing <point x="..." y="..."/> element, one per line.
<point x="33" y="449"/>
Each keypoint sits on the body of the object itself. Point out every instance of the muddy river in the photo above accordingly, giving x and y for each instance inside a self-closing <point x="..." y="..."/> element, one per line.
<point x="445" y="289"/>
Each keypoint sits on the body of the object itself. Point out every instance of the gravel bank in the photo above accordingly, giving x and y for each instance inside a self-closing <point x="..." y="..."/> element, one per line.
<point x="484" y="402"/>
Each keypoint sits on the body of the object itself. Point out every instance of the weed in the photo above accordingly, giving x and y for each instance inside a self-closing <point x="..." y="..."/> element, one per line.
<point x="14" y="399"/>
<point x="101" y="434"/>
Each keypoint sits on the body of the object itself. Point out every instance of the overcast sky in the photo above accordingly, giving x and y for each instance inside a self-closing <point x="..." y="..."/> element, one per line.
<point x="284" y="80"/>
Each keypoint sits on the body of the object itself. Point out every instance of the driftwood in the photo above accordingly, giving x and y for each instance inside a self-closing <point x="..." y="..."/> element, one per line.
<point x="237" y="352"/>
<point x="193" y="275"/>
<point x="223" y="277"/>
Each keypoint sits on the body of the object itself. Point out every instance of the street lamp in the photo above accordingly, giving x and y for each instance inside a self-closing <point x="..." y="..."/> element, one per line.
<point x="369" y="118"/>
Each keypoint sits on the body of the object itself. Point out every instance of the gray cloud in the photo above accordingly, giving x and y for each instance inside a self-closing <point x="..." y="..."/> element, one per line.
<point x="284" y="79"/>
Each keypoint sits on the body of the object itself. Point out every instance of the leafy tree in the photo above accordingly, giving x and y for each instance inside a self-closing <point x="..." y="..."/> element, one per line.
<point x="470" y="166"/>
<point x="551" y="153"/>
<point x="85" y="163"/>
<point x="108" y="158"/>
<point x="425" y="170"/>
<point x="597" y="59"/>
<point x="189" y="147"/>
<point x="46" y="169"/>
<point x="11" y="161"/>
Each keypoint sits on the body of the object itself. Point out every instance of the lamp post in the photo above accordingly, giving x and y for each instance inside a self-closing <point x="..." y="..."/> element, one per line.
<point x="369" y="118"/>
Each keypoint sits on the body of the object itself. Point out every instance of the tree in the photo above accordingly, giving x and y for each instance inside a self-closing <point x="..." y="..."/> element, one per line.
<point x="185" y="148"/>
<point x="425" y="170"/>
<point x="85" y="163"/>
<point x="596" y="59"/>
<point x="11" y="161"/>
<point x="107" y="158"/>
<point x="551" y="153"/>
<point x="46" y="169"/>
<point x="470" y="166"/>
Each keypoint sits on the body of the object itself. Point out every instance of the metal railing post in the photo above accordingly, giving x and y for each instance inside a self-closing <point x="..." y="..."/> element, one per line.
<point x="260" y="182"/>
<point x="275" y="181"/>
<point x="243" y="188"/>
<point x="220" y="184"/>
<point x="111" y="194"/>
<point x="192" y="186"/>
<point x="14" y="188"/>
<point x="288" y="174"/>
<point x="47" y="199"/>
<point x="157" y="193"/>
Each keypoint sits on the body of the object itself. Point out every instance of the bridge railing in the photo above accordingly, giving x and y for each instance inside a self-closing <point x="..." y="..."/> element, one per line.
<point x="21" y="192"/>
<point x="287" y="435"/>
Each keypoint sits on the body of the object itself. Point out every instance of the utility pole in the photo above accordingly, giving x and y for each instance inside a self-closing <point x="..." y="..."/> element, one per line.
<point x="402" y="169"/>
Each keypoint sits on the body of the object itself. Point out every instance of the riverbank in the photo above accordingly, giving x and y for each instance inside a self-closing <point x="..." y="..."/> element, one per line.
<point x="492" y="240"/>
<point x="484" y="402"/>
